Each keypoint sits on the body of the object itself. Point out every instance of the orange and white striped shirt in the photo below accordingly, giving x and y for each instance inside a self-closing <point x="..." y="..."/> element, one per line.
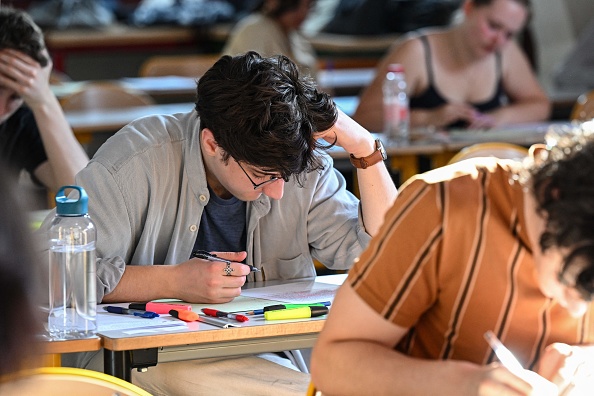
<point x="453" y="260"/>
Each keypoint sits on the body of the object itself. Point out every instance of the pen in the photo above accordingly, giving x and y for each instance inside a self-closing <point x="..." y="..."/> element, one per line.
<point x="190" y="316"/>
<point x="296" y="313"/>
<point x="507" y="359"/>
<point x="286" y="306"/>
<point x="203" y="254"/>
<point x="220" y="314"/>
<point x="160" y="308"/>
<point x="135" y="312"/>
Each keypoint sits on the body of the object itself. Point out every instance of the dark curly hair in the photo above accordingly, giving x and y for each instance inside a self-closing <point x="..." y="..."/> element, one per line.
<point x="19" y="32"/>
<point x="563" y="185"/>
<point x="263" y="113"/>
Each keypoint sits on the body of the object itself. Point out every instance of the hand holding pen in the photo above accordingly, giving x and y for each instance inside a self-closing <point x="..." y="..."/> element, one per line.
<point x="204" y="255"/>
<point x="205" y="281"/>
<point x="539" y="385"/>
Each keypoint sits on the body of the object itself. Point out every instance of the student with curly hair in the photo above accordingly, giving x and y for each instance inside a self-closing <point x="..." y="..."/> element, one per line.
<point x="34" y="134"/>
<point x="483" y="244"/>
<point x="245" y="175"/>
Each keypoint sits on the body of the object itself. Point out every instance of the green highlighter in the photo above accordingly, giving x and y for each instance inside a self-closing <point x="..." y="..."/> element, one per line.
<point x="287" y="306"/>
<point x="297" y="313"/>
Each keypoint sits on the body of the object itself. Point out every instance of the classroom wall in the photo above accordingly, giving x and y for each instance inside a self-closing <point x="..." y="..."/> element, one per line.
<point x="556" y="24"/>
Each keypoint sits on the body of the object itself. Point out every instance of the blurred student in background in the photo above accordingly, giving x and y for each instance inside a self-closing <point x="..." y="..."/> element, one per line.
<point x="21" y="320"/>
<point x="273" y="29"/>
<point x="34" y="133"/>
<point x="472" y="74"/>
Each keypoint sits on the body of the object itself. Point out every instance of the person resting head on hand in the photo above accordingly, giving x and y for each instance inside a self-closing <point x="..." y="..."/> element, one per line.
<point x="34" y="133"/>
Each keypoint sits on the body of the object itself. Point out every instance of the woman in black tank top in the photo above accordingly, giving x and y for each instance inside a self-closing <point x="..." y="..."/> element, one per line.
<point x="469" y="75"/>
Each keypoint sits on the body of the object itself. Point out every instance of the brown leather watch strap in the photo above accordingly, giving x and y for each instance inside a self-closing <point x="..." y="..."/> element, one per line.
<point x="378" y="155"/>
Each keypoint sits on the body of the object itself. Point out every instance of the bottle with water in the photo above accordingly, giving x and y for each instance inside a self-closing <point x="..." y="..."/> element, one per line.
<point x="72" y="287"/>
<point x="396" y="111"/>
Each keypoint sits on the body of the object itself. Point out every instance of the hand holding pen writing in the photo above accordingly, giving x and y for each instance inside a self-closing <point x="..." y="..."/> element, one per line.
<point x="509" y="377"/>
<point x="205" y="281"/>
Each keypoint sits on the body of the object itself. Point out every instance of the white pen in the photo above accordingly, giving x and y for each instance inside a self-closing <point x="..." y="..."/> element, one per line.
<point x="507" y="359"/>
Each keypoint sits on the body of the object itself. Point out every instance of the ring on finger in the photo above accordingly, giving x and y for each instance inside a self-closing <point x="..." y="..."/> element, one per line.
<point x="228" y="269"/>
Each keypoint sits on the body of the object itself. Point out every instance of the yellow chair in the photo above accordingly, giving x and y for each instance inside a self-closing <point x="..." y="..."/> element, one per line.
<point x="491" y="149"/>
<point x="177" y="65"/>
<point x="312" y="391"/>
<point x="583" y="109"/>
<point x="68" y="381"/>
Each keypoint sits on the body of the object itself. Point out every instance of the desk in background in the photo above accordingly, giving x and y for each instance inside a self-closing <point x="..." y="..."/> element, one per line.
<point x="84" y="123"/>
<point x="173" y="87"/>
<point x="440" y="147"/>
<point x="107" y="46"/>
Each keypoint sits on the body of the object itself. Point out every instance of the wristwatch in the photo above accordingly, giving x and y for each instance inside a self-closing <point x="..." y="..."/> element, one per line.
<point x="378" y="155"/>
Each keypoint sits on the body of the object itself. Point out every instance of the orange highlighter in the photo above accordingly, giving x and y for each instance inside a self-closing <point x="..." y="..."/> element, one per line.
<point x="296" y="313"/>
<point x="186" y="316"/>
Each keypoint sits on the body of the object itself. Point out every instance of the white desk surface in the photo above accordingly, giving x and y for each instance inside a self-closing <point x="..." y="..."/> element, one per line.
<point x="88" y="121"/>
<point x="180" y="85"/>
<point x="126" y="332"/>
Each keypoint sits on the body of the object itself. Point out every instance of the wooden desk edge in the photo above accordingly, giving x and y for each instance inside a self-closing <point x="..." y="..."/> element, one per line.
<point x="68" y="346"/>
<point x="214" y="335"/>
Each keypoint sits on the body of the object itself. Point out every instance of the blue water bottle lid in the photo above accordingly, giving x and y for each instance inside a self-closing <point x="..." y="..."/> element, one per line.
<point x="66" y="206"/>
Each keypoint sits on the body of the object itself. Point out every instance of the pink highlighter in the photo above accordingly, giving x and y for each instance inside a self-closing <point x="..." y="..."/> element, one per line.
<point x="159" y="307"/>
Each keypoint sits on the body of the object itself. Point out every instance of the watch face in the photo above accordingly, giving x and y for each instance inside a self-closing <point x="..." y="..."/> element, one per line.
<point x="382" y="150"/>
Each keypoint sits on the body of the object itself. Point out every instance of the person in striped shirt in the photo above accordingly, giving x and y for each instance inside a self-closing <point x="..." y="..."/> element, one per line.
<point x="483" y="244"/>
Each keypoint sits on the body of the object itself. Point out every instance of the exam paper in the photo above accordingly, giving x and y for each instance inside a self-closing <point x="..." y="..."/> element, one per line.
<point x="302" y="292"/>
<point x="129" y="323"/>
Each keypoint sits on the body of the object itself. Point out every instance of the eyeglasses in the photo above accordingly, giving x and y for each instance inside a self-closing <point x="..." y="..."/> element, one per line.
<point x="257" y="185"/>
<point x="582" y="280"/>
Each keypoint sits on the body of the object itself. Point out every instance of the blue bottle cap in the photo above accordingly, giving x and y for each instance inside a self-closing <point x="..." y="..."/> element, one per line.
<point x="68" y="206"/>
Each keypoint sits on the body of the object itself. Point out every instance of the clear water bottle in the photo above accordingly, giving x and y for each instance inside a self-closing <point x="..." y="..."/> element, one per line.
<point x="396" y="111"/>
<point x="72" y="284"/>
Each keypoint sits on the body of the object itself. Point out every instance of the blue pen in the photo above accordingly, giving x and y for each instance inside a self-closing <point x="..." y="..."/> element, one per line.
<point x="127" y="311"/>
<point x="286" y="306"/>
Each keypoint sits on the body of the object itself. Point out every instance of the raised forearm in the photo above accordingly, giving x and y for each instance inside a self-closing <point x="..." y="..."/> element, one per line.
<point x="377" y="192"/>
<point x="376" y="188"/>
<point x="65" y="155"/>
